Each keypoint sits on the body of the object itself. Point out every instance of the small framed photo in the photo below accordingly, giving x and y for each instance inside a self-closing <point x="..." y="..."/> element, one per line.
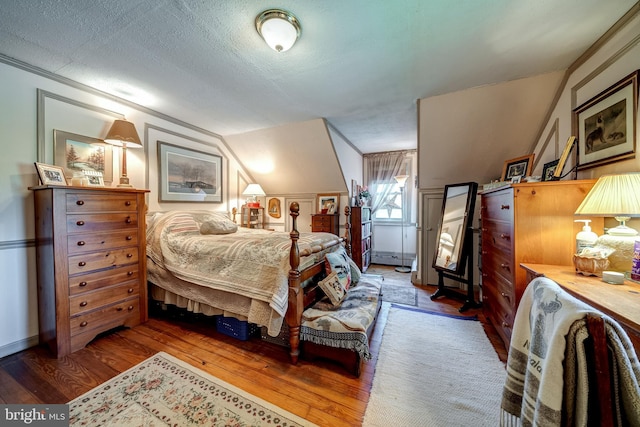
<point x="520" y="166"/>
<point x="548" y="170"/>
<point x="326" y="200"/>
<point x="94" y="178"/>
<point x="50" y="174"/>
<point x="516" y="179"/>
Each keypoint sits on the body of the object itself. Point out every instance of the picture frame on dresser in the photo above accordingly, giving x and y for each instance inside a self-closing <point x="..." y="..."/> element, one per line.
<point x="50" y="174"/>
<point x="549" y="169"/>
<point x="78" y="153"/>
<point x="605" y="125"/>
<point x="519" y="166"/>
<point x="187" y="175"/>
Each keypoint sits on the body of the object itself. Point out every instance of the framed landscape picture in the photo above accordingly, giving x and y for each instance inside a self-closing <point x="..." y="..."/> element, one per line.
<point x="328" y="201"/>
<point x="605" y="125"/>
<point x="187" y="175"/>
<point x="79" y="153"/>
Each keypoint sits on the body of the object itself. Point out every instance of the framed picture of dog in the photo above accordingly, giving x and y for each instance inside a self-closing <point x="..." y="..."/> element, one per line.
<point x="605" y="125"/>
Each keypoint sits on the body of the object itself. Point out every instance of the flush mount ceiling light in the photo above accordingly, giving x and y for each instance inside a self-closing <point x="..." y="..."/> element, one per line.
<point x="279" y="28"/>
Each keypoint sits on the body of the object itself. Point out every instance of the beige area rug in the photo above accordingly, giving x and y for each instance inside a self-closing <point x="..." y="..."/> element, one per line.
<point x="434" y="370"/>
<point x="164" y="391"/>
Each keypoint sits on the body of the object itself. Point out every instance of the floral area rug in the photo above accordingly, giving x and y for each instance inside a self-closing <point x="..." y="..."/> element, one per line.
<point x="164" y="391"/>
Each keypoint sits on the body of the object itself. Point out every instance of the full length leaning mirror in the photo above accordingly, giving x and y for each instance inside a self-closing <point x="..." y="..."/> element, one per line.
<point x="455" y="222"/>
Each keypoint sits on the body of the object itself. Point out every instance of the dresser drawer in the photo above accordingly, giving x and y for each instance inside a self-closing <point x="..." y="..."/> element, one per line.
<point x="99" y="279"/>
<point x="103" y="259"/>
<point x="497" y="234"/>
<point x="80" y="243"/>
<point x="497" y="263"/>
<point x="89" y="301"/>
<point x="83" y="223"/>
<point x="498" y="206"/>
<point x="106" y="317"/>
<point x="111" y="202"/>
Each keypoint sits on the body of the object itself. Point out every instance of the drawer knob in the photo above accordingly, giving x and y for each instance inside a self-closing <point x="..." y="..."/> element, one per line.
<point x="130" y="308"/>
<point x="503" y="207"/>
<point x="82" y="284"/>
<point x="128" y="220"/>
<point x="504" y="266"/>
<point x="81" y="243"/>
<point x="506" y="325"/>
<point x="127" y="203"/>
<point x="505" y="296"/>
<point x="129" y="255"/>
<point x="82" y="263"/>
<point x="130" y="290"/>
<point x="484" y="230"/>
<point x="80" y="202"/>
<point x="129" y="273"/>
<point x="119" y="309"/>
<point x="80" y="223"/>
<point x="83" y="324"/>
<point x="129" y="237"/>
<point x="505" y="236"/>
<point x="83" y="304"/>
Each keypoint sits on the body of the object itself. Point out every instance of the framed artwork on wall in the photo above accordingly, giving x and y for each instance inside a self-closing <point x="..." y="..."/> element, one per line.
<point x="520" y="166"/>
<point x="79" y="153"/>
<point x="187" y="175"/>
<point x="605" y="125"/>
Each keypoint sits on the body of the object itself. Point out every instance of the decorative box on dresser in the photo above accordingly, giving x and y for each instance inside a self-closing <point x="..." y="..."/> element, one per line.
<point x="361" y="226"/>
<point x="329" y="223"/>
<point x="91" y="263"/>
<point x="525" y="223"/>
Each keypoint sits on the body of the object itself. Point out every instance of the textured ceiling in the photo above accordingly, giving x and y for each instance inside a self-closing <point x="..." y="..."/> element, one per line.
<point x="360" y="64"/>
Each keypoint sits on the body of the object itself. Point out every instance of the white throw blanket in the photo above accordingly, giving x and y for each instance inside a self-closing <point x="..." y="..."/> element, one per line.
<point x="547" y="382"/>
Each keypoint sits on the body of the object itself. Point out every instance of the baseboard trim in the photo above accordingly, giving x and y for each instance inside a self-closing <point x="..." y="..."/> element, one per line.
<point x="18" y="346"/>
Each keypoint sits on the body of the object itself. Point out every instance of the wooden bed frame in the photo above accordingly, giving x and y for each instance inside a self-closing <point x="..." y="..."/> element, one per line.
<point x="299" y="297"/>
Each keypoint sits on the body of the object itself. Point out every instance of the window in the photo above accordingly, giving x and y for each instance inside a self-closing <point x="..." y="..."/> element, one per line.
<point x="387" y="195"/>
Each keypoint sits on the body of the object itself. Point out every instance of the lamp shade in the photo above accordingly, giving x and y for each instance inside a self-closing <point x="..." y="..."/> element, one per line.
<point x="123" y="132"/>
<point x="279" y="29"/>
<point x="253" y="190"/>
<point x="615" y="196"/>
<point x="401" y="179"/>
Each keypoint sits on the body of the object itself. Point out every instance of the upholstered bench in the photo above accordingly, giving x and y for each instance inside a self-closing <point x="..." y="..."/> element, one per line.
<point x="341" y="333"/>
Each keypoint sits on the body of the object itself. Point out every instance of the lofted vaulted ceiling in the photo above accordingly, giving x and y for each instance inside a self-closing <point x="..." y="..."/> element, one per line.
<point x="360" y="64"/>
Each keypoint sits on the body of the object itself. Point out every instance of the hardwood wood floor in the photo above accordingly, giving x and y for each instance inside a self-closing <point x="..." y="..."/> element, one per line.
<point x="321" y="392"/>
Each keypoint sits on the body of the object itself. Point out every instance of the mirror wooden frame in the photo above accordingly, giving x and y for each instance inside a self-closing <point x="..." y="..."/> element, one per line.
<point x="455" y="222"/>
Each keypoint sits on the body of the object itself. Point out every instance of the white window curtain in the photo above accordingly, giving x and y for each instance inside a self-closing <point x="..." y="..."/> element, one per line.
<point x="381" y="169"/>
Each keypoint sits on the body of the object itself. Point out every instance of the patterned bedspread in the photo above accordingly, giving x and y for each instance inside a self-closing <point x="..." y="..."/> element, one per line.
<point x="249" y="262"/>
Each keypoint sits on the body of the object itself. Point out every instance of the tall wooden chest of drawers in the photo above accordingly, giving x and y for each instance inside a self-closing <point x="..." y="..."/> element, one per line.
<point x="329" y="223"/>
<point x="91" y="263"/>
<point x="525" y="223"/>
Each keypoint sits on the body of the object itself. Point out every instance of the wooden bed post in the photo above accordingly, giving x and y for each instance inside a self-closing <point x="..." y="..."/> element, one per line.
<point x="295" y="303"/>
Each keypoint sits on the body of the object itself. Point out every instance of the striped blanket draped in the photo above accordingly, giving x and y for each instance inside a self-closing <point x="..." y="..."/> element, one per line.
<point x="547" y="368"/>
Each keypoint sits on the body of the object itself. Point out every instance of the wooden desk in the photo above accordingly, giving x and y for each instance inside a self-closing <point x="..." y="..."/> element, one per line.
<point x="620" y="302"/>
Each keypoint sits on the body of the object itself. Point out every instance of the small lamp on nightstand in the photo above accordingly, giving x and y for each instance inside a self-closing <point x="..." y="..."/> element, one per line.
<point x="615" y="196"/>
<point x="252" y="192"/>
<point x="123" y="134"/>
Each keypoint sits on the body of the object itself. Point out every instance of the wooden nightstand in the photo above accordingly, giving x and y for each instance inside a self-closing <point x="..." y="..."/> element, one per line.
<point x="251" y="217"/>
<point x="91" y="263"/>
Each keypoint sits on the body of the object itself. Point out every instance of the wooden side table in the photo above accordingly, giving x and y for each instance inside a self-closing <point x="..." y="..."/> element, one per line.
<point x="252" y="217"/>
<point x="620" y="302"/>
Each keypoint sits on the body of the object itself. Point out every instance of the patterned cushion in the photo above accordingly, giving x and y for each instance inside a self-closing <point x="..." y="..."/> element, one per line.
<point x="332" y="287"/>
<point x="338" y="262"/>
<point x="355" y="272"/>
<point x="217" y="224"/>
